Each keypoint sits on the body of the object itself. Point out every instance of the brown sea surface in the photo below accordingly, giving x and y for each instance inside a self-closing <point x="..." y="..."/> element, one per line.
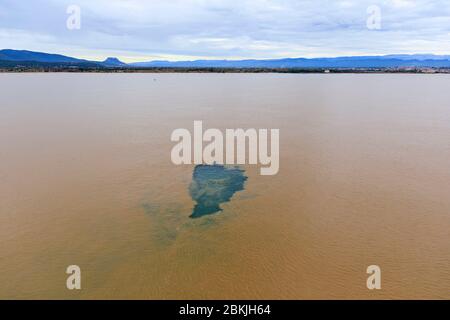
<point x="86" y="179"/>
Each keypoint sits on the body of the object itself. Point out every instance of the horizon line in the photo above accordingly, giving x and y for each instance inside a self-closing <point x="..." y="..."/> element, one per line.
<point x="199" y="58"/>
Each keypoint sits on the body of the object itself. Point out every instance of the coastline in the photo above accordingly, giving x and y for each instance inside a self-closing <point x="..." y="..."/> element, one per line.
<point x="230" y="70"/>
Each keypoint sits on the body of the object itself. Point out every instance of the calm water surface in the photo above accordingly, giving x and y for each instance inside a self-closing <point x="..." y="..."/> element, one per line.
<point x="86" y="179"/>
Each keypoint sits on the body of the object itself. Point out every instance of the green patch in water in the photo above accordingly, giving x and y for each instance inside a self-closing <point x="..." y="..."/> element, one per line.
<point x="213" y="185"/>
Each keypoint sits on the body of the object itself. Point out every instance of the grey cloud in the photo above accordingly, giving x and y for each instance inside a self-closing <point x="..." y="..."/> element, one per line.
<point x="221" y="28"/>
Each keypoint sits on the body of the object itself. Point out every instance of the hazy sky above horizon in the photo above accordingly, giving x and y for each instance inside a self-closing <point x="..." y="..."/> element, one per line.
<point x="136" y="30"/>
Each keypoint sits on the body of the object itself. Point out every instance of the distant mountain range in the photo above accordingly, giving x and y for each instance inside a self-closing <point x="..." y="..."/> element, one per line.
<point x="17" y="58"/>
<point x="391" y="61"/>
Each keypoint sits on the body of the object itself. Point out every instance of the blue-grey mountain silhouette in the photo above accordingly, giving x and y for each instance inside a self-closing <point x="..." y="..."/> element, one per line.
<point x="113" y="62"/>
<point x="11" y="58"/>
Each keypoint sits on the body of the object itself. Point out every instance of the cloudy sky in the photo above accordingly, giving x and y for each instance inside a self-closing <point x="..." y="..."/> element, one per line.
<point x="139" y="30"/>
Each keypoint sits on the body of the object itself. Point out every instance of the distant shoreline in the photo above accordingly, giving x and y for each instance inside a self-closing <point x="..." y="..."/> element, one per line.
<point x="229" y="70"/>
<point x="29" y="61"/>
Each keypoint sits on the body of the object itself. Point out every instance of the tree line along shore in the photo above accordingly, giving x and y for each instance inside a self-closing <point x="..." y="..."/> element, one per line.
<point x="19" y="69"/>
